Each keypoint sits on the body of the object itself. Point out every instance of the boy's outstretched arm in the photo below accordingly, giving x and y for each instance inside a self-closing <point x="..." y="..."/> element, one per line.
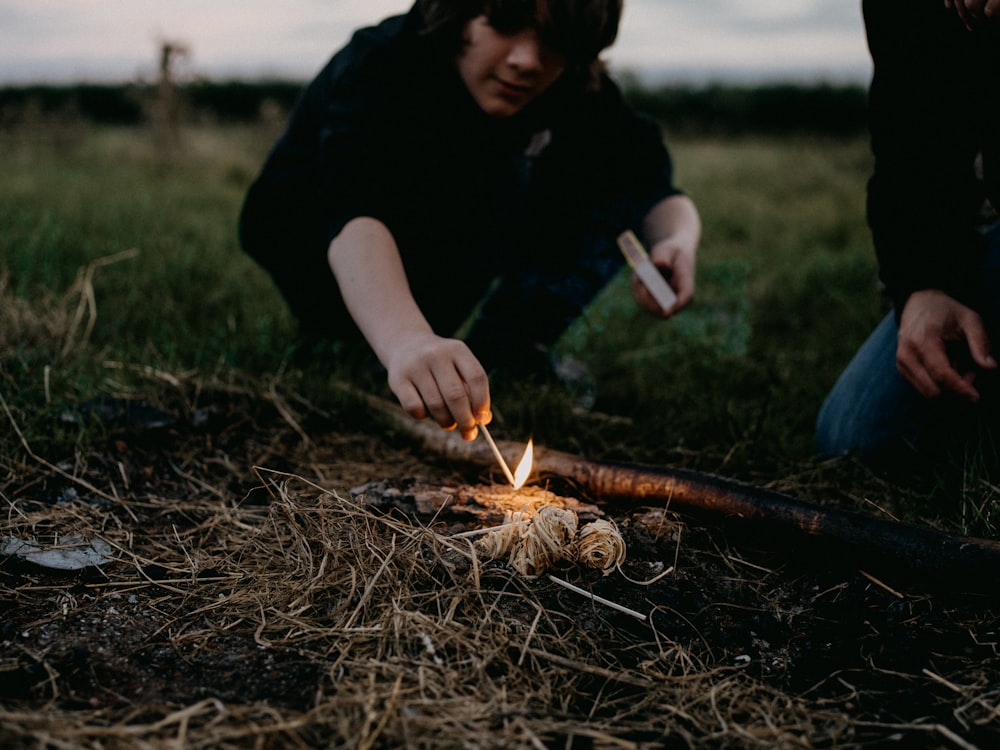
<point x="671" y="230"/>
<point x="430" y="375"/>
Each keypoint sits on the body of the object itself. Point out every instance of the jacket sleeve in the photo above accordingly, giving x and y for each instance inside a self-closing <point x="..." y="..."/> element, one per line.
<point x="334" y="159"/>
<point x="923" y="196"/>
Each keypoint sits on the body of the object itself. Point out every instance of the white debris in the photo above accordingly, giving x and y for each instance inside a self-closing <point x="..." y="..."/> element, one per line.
<point x="68" y="553"/>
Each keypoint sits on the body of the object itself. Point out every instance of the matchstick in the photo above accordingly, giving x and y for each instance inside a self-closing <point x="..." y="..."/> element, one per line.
<point x="598" y="599"/>
<point x="499" y="455"/>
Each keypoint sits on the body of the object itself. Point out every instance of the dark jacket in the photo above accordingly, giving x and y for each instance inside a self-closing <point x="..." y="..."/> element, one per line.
<point x="388" y="130"/>
<point x="934" y="108"/>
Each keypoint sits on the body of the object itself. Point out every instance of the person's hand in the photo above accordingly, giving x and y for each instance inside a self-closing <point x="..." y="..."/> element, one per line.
<point x="973" y="12"/>
<point x="677" y="264"/>
<point x="441" y="378"/>
<point x="930" y="321"/>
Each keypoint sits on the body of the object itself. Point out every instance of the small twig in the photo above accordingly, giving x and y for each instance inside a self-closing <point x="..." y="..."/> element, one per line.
<point x="286" y="414"/>
<point x="531" y="634"/>
<point x="938" y="678"/>
<point x="879" y="583"/>
<point x="598" y="599"/>
<point x="88" y="302"/>
<point x="146" y="371"/>
<point x="621" y="676"/>
<point x="991" y="710"/>
<point x="954" y="738"/>
<point x="267" y="485"/>
<point x="749" y="564"/>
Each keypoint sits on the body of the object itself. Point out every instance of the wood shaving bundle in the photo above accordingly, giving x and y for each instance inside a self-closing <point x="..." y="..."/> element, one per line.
<point x="600" y="545"/>
<point x="547" y="542"/>
<point x="550" y="537"/>
<point x="502" y="539"/>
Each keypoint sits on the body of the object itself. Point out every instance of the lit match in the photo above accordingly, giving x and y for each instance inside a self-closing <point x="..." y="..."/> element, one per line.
<point x="497" y="453"/>
<point x="523" y="466"/>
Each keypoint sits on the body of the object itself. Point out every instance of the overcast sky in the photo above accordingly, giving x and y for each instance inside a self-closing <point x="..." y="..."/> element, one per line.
<point x="114" y="40"/>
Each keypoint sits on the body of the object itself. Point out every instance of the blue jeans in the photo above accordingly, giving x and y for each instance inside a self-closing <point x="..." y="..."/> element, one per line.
<point x="874" y="412"/>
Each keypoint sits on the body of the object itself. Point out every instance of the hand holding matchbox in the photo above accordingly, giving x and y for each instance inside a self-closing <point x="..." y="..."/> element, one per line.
<point x="646" y="270"/>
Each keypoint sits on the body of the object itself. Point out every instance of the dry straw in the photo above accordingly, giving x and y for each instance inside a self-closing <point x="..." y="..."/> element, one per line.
<point x="401" y="637"/>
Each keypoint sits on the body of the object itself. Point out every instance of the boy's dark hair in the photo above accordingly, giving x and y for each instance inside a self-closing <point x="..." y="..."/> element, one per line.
<point x="579" y="29"/>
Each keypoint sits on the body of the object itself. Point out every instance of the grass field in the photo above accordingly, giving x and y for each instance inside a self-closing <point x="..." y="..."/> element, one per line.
<point x="111" y="252"/>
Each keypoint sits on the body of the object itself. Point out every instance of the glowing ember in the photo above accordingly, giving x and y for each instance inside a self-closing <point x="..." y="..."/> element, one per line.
<point x="524" y="466"/>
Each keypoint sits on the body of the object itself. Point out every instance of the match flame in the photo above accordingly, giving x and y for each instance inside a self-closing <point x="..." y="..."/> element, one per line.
<point x="523" y="469"/>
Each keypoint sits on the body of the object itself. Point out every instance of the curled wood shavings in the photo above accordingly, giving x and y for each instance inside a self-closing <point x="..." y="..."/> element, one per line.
<point x="501" y="540"/>
<point x="600" y="545"/>
<point x="553" y="536"/>
<point x="547" y="542"/>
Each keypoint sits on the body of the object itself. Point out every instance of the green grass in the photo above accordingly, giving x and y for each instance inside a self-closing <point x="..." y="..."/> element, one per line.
<point x="787" y="291"/>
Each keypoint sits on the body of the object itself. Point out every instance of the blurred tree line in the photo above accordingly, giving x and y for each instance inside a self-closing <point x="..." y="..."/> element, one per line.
<point x="779" y="108"/>
<point x="715" y="109"/>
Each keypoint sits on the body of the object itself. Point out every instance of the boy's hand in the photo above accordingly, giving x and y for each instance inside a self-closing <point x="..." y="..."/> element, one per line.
<point x="441" y="378"/>
<point x="673" y="229"/>
<point x="677" y="265"/>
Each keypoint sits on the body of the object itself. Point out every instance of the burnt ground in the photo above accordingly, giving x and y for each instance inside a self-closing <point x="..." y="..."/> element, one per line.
<point x="254" y="600"/>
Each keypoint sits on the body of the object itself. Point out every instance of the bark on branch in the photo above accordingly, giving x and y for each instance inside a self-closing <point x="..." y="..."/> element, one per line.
<point x="875" y="540"/>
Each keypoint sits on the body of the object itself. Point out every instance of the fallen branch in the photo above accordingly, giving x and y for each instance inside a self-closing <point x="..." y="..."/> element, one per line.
<point x="905" y="546"/>
<point x="914" y="547"/>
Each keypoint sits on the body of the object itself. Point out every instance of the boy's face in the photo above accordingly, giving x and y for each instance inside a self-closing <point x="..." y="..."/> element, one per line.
<point x="504" y="72"/>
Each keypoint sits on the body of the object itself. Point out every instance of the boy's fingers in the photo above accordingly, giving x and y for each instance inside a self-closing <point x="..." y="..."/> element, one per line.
<point x="409" y="398"/>
<point x="979" y="344"/>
